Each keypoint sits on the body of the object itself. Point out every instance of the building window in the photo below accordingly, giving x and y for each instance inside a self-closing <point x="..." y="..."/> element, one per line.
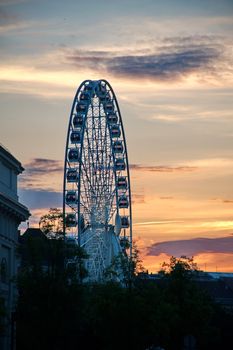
<point x="3" y="270"/>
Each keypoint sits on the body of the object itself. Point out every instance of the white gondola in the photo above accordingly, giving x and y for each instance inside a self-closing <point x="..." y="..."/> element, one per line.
<point x="88" y="88"/>
<point x="71" y="220"/>
<point x="112" y="118"/>
<point x="124" y="221"/>
<point x="101" y="89"/>
<point x="84" y="96"/>
<point x="123" y="202"/>
<point x="72" y="175"/>
<point x="109" y="107"/>
<point x="104" y="97"/>
<point x="73" y="155"/>
<point x="75" y="137"/>
<point x="81" y="107"/>
<point x="120" y="164"/>
<point x="121" y="183"/>
<point x="71" y="197"/>
<point x="78" y="121"/>
<point x="103" y="94"/>
<point x="124" y="242"/>
<point x="117" y="147"/>
<point x="115" y="131"/>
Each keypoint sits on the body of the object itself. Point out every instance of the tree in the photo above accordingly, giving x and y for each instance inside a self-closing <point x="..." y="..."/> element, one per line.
<point x="125" y="268"/>
<point x="183" y="267"/>
<point x="75" y="258"/>
<point x="193" y="308"/>
<point x="63" y="313"/>
<point x="50" y="293"/>
<point x="52" y="223"/>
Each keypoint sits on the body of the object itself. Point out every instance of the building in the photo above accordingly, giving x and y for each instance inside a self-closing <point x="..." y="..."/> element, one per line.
<point x="12" y="213"/>
<point x="34" y="238"/>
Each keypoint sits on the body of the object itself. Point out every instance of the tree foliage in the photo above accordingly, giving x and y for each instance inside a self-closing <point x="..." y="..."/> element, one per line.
<point x="61" y="312"/>
<point x="183" y="267"/>
<point x="125" y="267"/>
<point x="52" y="222"/>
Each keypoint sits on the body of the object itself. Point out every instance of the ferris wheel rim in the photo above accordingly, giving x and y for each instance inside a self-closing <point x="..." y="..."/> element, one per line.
<point x="80" y="163"/>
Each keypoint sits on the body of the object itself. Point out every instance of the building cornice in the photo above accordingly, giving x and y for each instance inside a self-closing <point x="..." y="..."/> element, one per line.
<point x="14" y="208"/>
<point x="10" y="159"/>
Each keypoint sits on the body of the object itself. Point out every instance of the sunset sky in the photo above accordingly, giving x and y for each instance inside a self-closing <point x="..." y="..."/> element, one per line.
<point x="170" y="64"/>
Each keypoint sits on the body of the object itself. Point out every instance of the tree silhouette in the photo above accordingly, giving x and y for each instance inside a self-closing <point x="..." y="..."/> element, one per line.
<point x="52" y="222"/>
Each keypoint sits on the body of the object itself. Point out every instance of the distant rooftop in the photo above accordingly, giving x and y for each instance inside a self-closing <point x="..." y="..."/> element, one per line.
<point x="34" y="233"/>
<point x="217" y="275"/>
<point x="202" y="274"/>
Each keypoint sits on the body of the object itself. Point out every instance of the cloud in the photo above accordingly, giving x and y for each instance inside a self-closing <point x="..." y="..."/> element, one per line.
<point x="48" y="84"/>
<point x="40" y="166"/>
<point x="138" y="198"/>
<point x="172" y="58"/>
<point x="160" y="222"/>
<point x="221" y="200"/>
<point x="47" y="174"/>
<point x="11" y="2"/>
<point x="42" y="174"/>
<point x="162" y="168"/>
<point x="167" y="197"/>
<point x="228" y="201"/>
<point x="190" y="61"/>
<point x="35" y="199"/>
<point x="180" y="114"/>
<point x="7" y="18"/>
<point x="192" y="247"/>
<point x="163" y="66"/>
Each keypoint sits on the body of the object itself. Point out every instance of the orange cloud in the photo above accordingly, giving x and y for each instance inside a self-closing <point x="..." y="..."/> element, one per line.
<point x="214" y="254"/>
<point x="138" y="198"/>
<point x="212" y="262"/>
<point x="192" y="247"/>
<point x="162" y="168"/>
<point x="42" y="174"/>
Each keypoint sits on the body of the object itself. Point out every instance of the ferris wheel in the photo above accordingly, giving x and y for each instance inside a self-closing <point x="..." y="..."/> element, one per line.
<point x="96" y="193"/>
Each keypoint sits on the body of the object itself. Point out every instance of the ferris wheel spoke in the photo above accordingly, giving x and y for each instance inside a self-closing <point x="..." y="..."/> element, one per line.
<point x="88" y="177"/>
<point x="86" y="191"/>
<point x="104" y="155"/>
<point x="84" y="203"/>
<point x="90" y="159"/>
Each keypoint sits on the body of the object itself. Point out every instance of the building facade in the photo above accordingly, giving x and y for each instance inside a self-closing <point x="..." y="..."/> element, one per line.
<point x="12" y="213"/>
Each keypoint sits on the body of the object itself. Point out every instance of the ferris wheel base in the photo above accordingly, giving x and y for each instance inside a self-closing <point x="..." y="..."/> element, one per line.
<point x="103" y="249"/>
